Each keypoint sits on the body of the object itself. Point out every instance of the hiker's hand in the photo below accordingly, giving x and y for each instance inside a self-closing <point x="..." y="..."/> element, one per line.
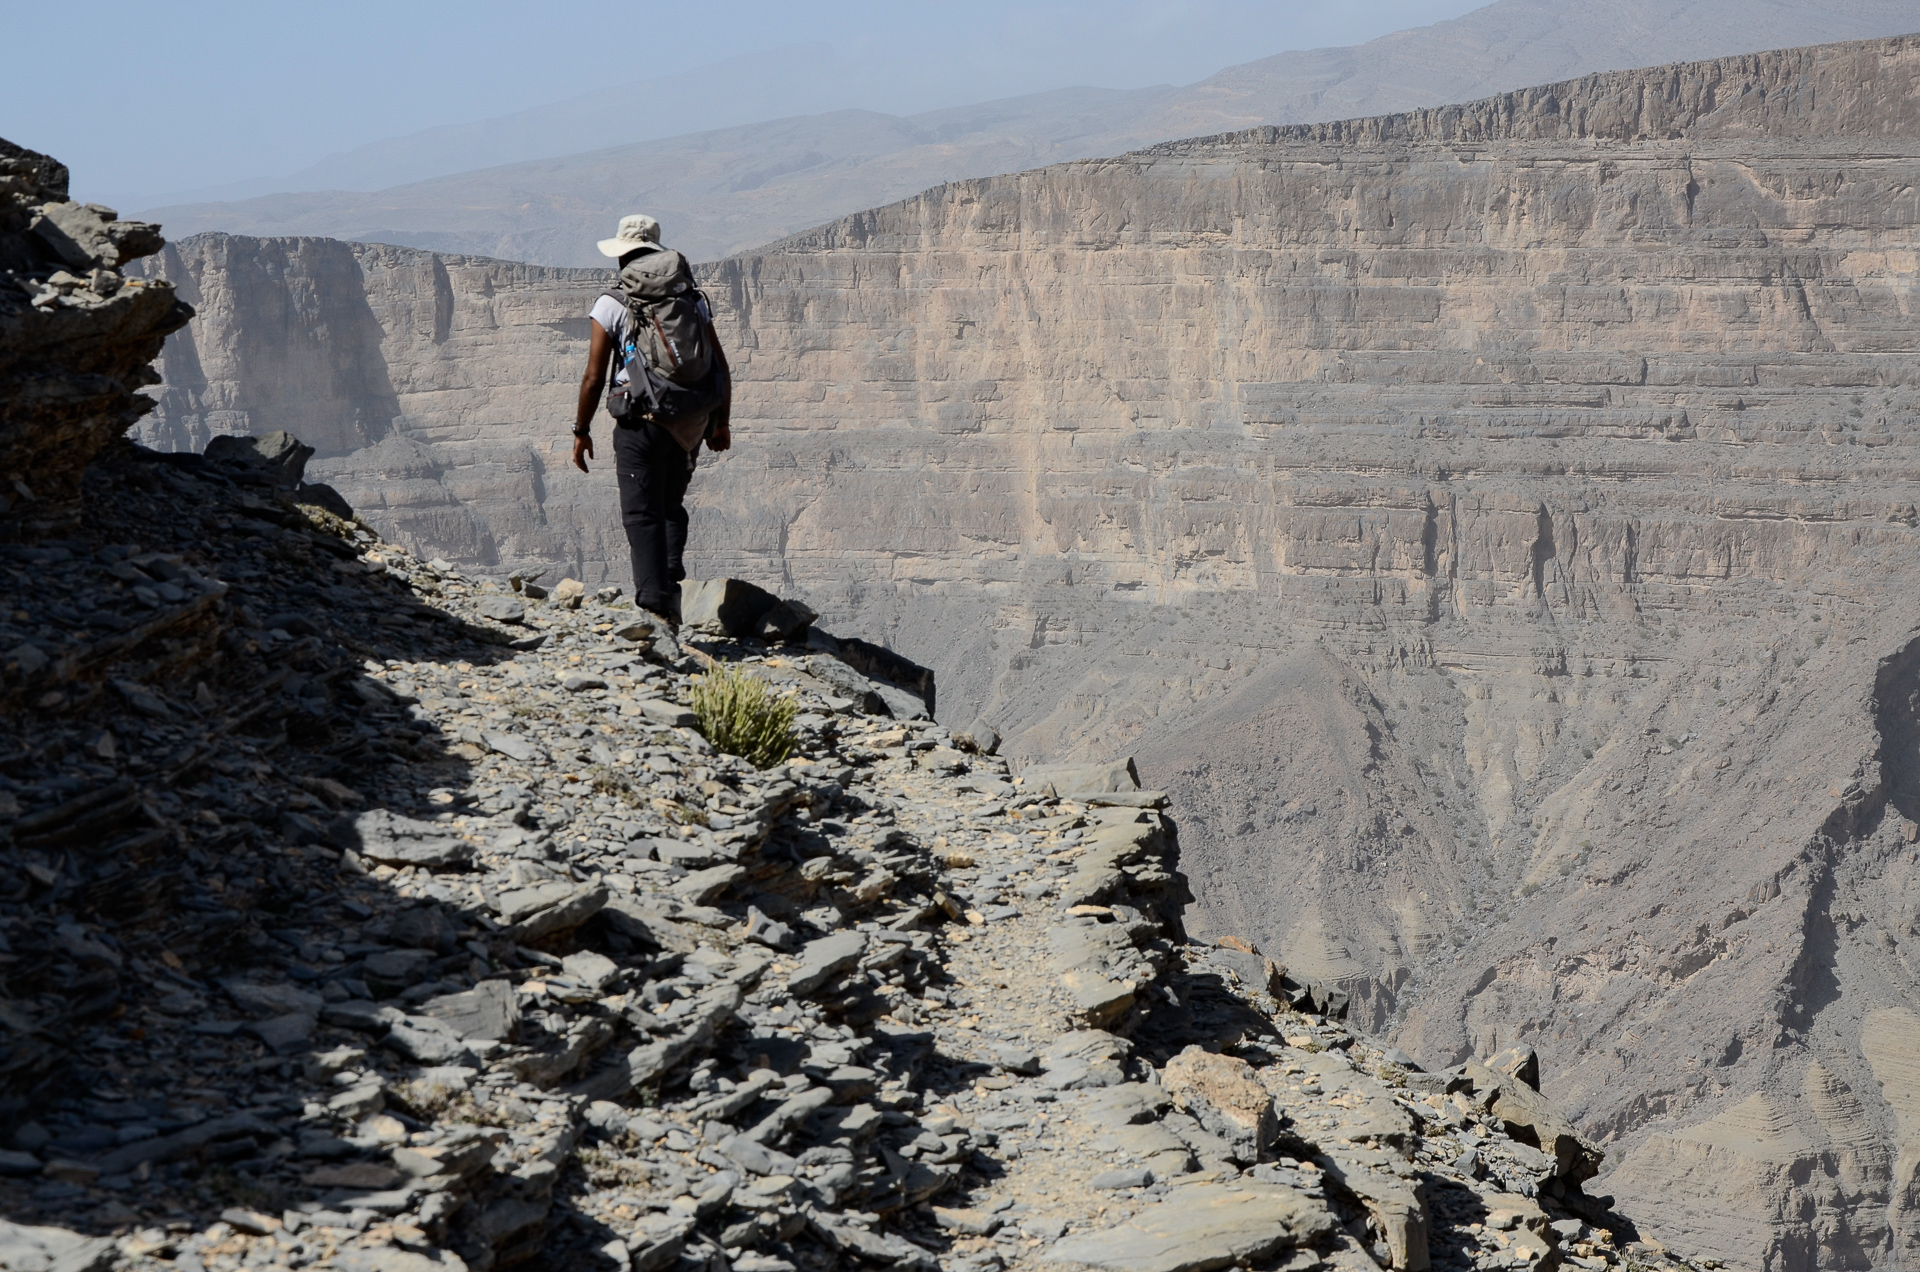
<point x="722" y="439"/>
<point x="582" y="452"/>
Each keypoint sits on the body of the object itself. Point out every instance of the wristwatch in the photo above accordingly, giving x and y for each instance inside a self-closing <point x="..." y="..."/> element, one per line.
<point x="583" y="432"/>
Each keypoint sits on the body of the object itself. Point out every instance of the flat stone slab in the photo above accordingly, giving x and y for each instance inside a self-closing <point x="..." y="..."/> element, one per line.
<point x="845" y="681"/>
<point x="1096" y="999"/>
<point x="1070" y="780"/>
<point x="730" y="605"/>
<point x="691" y="856"/>
<point x="514" y="748"/>
<point x="585" y="902"/>
<point x="284" y="1035"/>
<point x="518" y="904"/>
<point x="401" y="841"/>
<point x="1084" y="1059"/>
<point x="362" y="1013"/>
<point x="968" y="1223"/>
<point x="427" y="1046"/>
<point x="592" y="971"/>
<point x="22" y="1246"/>
<point x="502" y="609"/>
<point x="824" y="959"/>
<point x="1147" y="1140"/>
<point x="1129" y="1103"/>
<point x="703" y="887"/>
<point x="902" y="704"/>
<point x="281" y="999"/>
<point x="1201" y="1227"/>
<point x="1123" y="1177"/>
<point x="671" y="714"/>
<point x="164" y="1148"/>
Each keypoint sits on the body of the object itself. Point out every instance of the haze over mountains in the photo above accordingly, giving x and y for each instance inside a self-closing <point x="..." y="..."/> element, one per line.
<point x="726" y="190"/>
<point x="728" y="93"/>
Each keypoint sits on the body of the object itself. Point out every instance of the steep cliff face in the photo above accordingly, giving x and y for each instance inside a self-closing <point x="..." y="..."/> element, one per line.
<point x="1495" y="524"/>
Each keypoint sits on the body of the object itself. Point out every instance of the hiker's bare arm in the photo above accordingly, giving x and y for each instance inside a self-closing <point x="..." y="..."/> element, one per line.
<point x="722" y="438"/>
<point x="599" y="351"/>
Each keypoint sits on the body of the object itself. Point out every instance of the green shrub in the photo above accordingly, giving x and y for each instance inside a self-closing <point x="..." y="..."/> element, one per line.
<point x="742" y="717"/>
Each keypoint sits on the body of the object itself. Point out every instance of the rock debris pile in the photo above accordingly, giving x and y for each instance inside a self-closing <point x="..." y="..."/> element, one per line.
<point x="359" y="913"/>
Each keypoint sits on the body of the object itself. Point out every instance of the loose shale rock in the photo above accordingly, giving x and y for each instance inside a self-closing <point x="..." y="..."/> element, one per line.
<point x="1202" y="1227"/>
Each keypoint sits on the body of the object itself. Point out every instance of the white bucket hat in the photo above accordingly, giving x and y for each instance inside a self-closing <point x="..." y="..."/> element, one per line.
<point x="636" y="233"/>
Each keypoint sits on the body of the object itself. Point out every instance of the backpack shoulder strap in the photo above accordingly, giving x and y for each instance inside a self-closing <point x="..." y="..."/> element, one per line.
<point x="719" y="353"/>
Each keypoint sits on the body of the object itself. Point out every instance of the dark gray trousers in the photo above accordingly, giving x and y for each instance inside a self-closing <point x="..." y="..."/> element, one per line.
<point x="653" y="471"/>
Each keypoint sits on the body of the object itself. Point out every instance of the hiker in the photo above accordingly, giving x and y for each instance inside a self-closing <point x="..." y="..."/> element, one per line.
<point x="671" y="392"/>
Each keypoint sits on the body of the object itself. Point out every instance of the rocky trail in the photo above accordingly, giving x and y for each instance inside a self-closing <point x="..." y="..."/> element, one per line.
<point x="359" y="913"/>
<point x="364" y="914"/>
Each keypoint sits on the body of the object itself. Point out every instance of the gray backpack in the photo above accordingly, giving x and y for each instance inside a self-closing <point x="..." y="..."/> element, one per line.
<point x="673" y="370"/>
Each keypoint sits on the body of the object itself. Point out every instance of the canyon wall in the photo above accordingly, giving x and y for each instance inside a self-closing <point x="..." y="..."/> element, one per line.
<point x="438" y="391"/>
<point x="1496" y="524"/>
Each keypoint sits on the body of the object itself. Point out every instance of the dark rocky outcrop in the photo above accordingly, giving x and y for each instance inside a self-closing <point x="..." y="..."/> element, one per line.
<point x="77" y="336"/>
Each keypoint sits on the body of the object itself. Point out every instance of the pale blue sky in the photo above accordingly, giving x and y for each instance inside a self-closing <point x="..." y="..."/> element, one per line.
<point x="192" y="94"/>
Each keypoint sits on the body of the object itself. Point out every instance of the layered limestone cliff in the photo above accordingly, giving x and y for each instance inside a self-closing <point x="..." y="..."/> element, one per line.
<point x="1494" y="524"/>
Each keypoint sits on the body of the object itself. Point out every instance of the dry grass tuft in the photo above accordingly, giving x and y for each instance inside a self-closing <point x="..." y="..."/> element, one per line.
<point x="742" y="717"/>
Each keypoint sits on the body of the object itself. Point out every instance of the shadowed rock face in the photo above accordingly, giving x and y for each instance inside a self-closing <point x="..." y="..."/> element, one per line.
<point x="76" y="339"/>
<point x="1495" y="525"/>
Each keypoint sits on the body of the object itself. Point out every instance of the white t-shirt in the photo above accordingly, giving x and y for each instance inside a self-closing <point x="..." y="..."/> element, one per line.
<point x="611" y="313"/>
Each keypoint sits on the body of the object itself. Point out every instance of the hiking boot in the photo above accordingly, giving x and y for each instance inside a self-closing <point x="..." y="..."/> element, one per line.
<point x="667" y="646"/>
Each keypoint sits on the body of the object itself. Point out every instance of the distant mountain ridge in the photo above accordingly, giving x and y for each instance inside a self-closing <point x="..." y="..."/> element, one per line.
<point x="726" y="190"/>
<point x="725" y="94"/>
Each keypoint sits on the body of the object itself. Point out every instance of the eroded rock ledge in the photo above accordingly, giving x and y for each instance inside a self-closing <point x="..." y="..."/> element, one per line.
<point x="77" y="337"/>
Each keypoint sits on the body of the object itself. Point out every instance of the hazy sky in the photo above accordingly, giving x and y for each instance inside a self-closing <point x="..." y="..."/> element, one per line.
<point x="194" y="93"/>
